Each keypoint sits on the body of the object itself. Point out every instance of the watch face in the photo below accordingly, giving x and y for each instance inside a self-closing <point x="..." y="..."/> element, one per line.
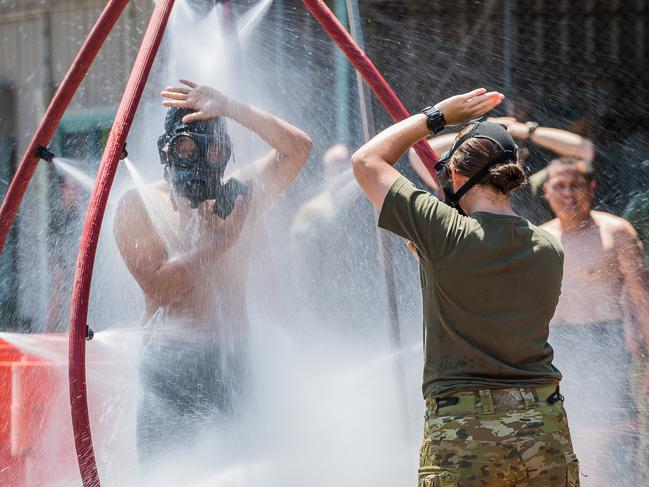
<point x="434" y="119"/>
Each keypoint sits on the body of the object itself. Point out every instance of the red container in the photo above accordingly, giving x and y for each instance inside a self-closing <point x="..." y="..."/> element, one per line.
<point x="30" y="393"/>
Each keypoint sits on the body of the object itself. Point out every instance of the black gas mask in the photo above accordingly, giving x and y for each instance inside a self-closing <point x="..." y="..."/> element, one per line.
<point x="494" y="132"/>
<point x="195" y="156"/>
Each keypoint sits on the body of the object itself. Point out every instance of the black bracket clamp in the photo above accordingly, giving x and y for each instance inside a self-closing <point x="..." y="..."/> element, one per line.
<point x="44" y="153"/>
<point x="124" y="153"/>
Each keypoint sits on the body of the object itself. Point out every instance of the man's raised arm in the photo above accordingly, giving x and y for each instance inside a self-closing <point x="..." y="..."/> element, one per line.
<point x="291" y="146"/>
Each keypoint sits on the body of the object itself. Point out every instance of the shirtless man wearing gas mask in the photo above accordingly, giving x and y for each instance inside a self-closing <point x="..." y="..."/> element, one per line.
<point x="190" y="255"/>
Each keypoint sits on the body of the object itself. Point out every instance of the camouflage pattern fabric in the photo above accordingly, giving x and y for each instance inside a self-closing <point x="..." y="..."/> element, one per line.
<point x="507" y="437"/>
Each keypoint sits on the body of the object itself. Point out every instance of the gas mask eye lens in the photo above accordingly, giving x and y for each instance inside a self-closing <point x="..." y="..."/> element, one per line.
<point x="185" y="148"/>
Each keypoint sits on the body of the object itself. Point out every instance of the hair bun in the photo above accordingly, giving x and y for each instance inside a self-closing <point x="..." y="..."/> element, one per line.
<point x="475" y="152"/>
<point x="506" y="177"/>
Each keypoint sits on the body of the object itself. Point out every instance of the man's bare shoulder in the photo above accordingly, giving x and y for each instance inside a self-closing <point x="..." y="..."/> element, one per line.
<point x="614" y="225"/>
<point x="131" y="213"/>
<point x="130" y="208"/>
<point x="131" y="201"/>
<point x="130" y="197"/>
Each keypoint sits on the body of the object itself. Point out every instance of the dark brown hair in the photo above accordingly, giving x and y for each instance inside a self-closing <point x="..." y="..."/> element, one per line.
<point x="474" y="153"/>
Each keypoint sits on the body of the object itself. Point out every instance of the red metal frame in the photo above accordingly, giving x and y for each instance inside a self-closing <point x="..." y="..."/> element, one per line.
<point x="55" y="111"/>
<point x="90" y="238"/>
<point x="371" y="75"/>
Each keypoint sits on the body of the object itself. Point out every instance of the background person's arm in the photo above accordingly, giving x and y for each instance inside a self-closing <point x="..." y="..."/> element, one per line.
<point x="563" y="142"/>
<point x="442" y="143"/>
<point x="631" y="262"/>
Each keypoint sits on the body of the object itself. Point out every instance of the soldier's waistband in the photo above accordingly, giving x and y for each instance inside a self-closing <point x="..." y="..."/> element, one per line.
<point x="488" y="401"/>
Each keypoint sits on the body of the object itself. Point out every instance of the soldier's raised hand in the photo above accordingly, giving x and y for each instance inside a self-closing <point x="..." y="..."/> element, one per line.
<point x="460" y="109"/>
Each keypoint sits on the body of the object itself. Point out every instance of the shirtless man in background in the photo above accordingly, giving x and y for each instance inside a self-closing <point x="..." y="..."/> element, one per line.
<point x="603" y="258"/>
<point x="188" y="249"/>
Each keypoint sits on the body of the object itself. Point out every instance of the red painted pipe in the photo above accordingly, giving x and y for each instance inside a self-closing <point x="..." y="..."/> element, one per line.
<point x="57" y="107"/>
<point x="230" y="27"/>
<point x="90" y="237"/>
<point x="370" y="74"/>
<point x="228" y="15"/>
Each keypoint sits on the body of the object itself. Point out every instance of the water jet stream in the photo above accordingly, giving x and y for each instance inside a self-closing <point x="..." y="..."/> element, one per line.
<point x="247" y="24"/>
<point x="73" y="172"/>
<point x="167" y="233"/>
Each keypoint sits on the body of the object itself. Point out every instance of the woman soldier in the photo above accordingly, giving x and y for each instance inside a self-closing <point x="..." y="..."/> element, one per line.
<point x="490" y="284"/>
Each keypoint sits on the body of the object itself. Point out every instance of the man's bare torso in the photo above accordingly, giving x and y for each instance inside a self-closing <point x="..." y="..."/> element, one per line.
<point x="214" y="306"/>
<point x="592" y="282"/>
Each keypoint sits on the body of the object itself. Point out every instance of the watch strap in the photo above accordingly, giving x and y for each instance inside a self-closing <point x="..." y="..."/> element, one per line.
<point x="434" y="119"/>
<point x="531" y="127"/>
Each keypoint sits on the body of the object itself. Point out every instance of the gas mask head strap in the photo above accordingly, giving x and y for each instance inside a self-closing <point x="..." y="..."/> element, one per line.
<point x="494" y="132"/>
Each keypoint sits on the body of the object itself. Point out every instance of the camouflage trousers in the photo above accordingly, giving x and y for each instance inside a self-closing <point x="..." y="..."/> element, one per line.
<point x="506" y="437"/>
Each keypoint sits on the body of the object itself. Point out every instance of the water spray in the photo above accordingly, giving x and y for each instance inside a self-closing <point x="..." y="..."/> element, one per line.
<point x="383" y="238"/>
<point x="57" y="107"/>
<point x="370" y="74"/>
<point x="66" y="169"/>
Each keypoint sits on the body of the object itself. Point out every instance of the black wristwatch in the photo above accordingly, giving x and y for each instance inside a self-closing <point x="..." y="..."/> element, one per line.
<point x="434" y="120"/>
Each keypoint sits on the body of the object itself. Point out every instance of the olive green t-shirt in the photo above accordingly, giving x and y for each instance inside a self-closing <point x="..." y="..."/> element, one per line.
<point x="490" y="284"/>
